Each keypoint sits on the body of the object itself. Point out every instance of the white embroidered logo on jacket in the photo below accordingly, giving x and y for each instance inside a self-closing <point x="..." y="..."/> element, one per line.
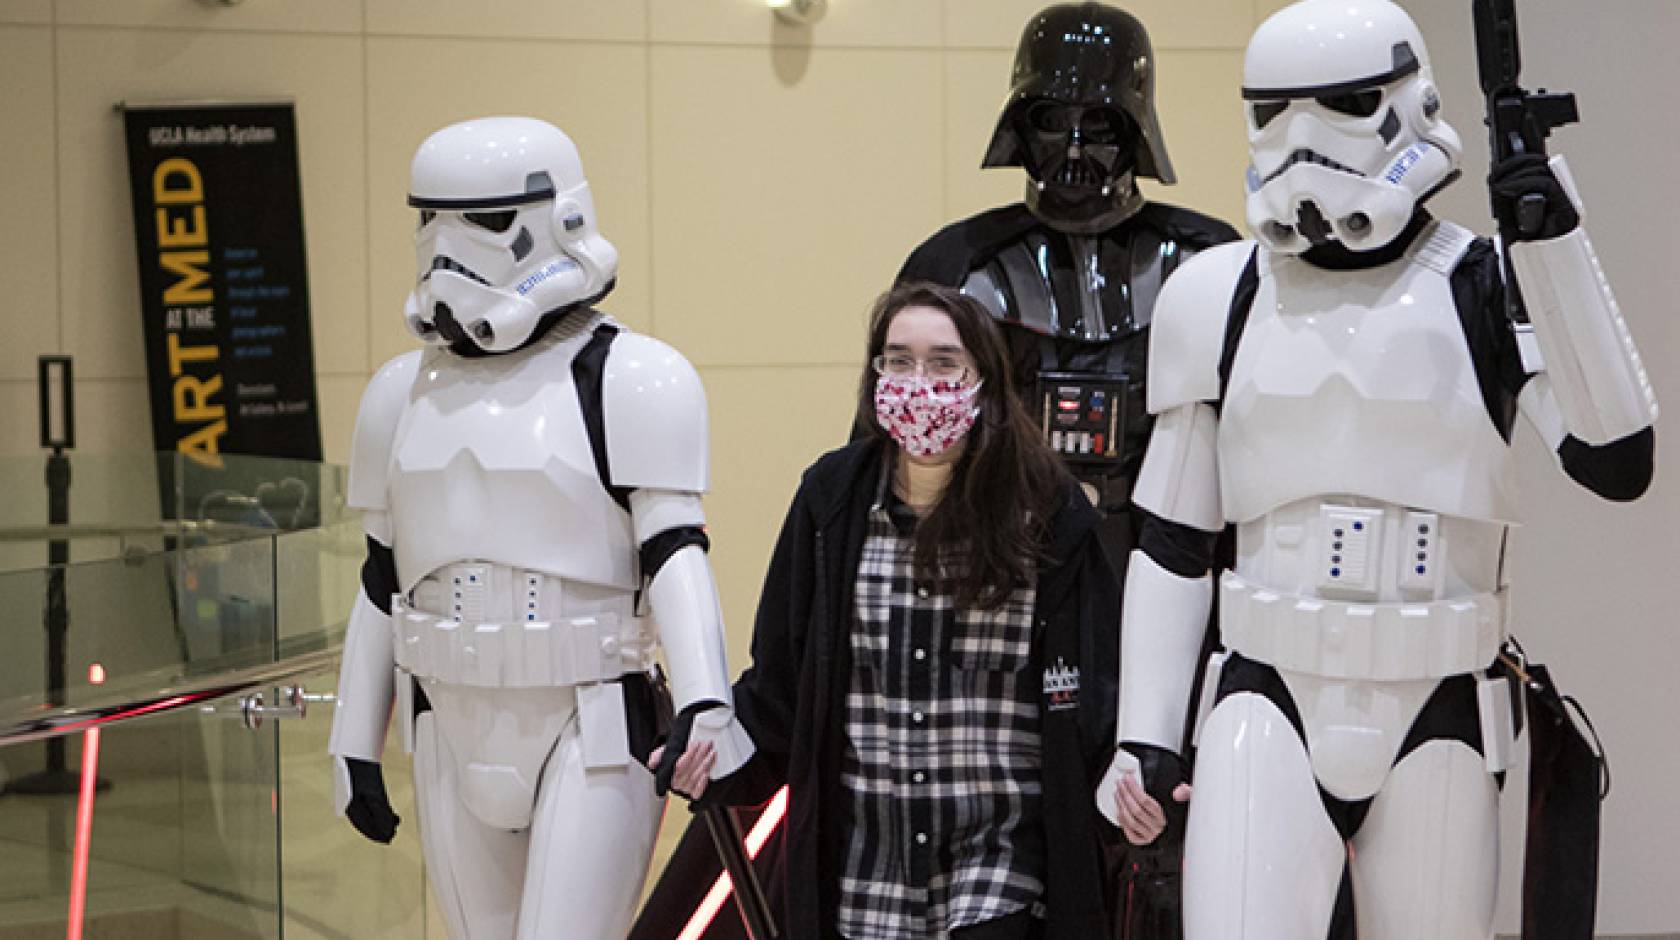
<point x="1061" y="684"/>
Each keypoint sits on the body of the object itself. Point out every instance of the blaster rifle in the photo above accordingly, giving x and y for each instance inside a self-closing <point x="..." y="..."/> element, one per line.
<point x="1518" y="122"/>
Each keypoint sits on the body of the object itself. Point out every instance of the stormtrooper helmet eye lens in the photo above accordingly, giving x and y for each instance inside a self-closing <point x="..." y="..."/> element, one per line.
<point x="1265" y="111"/>
<point x="493" y="221"/>
<point x="1354" y="103"/>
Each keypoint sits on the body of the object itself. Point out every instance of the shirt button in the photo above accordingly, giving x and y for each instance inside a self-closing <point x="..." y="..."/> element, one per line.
<point x="922" y="592"/>
<point x="921" y="653"/>
<point x="921" y="838"/>
<point x="918" y="777"/>
<point x="916" y="717"/>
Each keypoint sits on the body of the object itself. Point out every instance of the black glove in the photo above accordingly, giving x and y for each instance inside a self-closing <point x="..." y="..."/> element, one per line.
<point x="370" y="809"/>
<point x="1162" y="772"/>
<point x="1528" y="199"/>
<point x="676" y="744"/>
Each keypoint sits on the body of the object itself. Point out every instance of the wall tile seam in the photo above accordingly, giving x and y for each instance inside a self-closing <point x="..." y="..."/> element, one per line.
<point x="852" y="364"/>
<point x="564" y="40"/>
<point x="1158" y="47"/>
<point x="652" y="285"/>
<point x="500" y="37"/>
<point x="367" y="200"/>
<point x="894" y="47"/>
<point x="216" y="30"/>
<point x="109" y="379"/>
<point x="58" y="193"/>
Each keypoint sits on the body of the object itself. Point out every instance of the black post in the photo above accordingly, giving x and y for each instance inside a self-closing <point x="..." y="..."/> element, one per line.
<point x="58" y="609"/>
<point x="58" y="434"/>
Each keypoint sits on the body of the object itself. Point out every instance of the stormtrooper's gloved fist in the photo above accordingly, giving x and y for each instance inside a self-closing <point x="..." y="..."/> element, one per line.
<point x="1143" y="792"/>
<point x="1528" y="199"/>
<point x="366" y="805"/>
<point x="676" y="744"/>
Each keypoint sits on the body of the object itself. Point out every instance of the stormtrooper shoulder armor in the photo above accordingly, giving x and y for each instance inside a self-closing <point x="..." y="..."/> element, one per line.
<point x="1188" y="333"/>
<point x="654" y="408"/>
<point x="382" y="406"/>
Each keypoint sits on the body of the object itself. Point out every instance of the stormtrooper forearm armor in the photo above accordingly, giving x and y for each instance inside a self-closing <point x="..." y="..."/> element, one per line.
<point x="1169" y="591"/>
<point x="1600" y="384"/>
<point x="683" y="598"/>
<point x="1164" y="613"/>
<point x="366" y="679"/>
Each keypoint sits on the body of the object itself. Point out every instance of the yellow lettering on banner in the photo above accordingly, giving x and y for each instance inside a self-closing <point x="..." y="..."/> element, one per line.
<point x="199" y="392"/>
<point x="176" y="180"/>
<point x="177" y="232"/>
<point x="179" y="354"/>
<point x="194" y="288"/>
<point x="205" y="444"/>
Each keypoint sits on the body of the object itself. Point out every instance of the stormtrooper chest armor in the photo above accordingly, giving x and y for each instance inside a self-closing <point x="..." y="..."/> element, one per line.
<point x="1360" y="383"/>
<point x="492" y="462"/>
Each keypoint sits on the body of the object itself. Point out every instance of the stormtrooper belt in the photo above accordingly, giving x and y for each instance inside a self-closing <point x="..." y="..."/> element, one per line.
<point x="1351" y="640"/>
<point x="498" y="627"/>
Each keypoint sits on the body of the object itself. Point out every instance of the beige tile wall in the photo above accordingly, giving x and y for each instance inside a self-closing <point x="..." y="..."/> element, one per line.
<point x="762" y="182"/>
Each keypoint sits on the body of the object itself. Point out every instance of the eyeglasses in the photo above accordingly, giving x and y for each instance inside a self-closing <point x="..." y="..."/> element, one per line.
<point x="940" y="368"/>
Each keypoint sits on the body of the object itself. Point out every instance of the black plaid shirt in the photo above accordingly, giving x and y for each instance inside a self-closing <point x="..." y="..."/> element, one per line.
<point x="941" y="767"/>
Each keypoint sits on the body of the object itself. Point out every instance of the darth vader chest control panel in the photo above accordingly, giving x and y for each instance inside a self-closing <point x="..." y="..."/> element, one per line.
<point x="1083" y="417"/>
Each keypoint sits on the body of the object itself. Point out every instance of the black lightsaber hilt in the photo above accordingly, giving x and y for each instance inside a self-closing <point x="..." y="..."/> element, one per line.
<point x="749" y="893"/>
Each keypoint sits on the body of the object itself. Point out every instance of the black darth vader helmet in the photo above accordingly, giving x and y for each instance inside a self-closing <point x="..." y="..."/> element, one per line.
<point x="1080" y="116"/>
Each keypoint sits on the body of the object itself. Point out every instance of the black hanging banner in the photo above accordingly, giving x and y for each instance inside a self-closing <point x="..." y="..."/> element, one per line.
<point x="224" y="293"/>
<point x="223" y="282"/>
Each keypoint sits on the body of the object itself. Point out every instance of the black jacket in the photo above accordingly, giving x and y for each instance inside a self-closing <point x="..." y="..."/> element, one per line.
<point x="792" y="698"/>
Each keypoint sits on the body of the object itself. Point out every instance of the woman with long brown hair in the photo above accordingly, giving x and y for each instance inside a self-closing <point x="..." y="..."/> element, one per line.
<point x="934" y="658"/>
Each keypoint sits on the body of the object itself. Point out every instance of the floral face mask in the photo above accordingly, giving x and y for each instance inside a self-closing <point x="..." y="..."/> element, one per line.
<point x="926" y="417"/>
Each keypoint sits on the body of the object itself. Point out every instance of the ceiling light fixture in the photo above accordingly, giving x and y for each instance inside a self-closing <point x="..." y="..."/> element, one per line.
<point x="798" y="12"/>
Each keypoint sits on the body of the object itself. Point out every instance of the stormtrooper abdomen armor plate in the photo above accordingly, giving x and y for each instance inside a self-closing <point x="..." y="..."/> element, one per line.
<point x="1361" y="384"/>
<point x="492" y="462"/>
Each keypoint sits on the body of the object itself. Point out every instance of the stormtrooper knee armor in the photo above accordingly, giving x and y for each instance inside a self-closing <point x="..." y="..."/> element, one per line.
<point x="1343" y="392"/>
<point x="531" y="482"/>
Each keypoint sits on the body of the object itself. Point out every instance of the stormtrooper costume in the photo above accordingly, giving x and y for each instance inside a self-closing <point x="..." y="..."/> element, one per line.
<point x="531" y="486"/>
<point x="1343" y="392"/>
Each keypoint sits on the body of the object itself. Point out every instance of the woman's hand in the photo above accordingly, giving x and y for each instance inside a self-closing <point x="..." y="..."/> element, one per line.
<point x="1142" y="820"/>
<point x="694" y="768"/>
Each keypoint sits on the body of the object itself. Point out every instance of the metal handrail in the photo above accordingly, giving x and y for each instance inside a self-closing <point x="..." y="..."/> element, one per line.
<point x="73" y="530"/>
<point x="43" y="723"/>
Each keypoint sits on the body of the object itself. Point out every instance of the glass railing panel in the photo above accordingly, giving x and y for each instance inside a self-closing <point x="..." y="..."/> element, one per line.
<point x="129" y="503"/>
<point x="326" y="866"/>
<point x="150" y="600"/>
<point x="111" y="490"/>
<point x="137" y="624"/>
<point x="182" y="842"/>
<point x="318" y="576"/>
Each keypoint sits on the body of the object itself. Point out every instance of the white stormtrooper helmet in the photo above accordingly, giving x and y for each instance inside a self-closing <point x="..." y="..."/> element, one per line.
<point x="1344" y="126"/>
<point x="507" y="240"/>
